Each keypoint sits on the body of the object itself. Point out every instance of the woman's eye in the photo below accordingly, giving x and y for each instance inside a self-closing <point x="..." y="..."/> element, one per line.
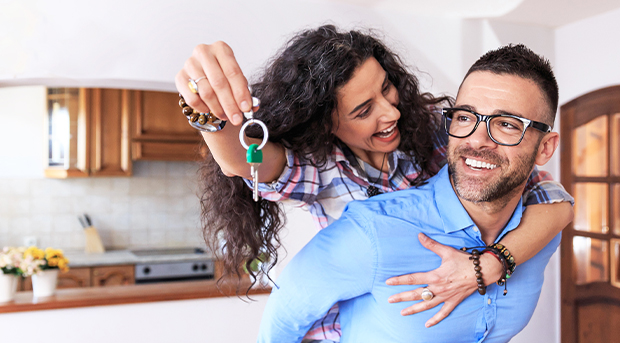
<point x="363" y="114"/>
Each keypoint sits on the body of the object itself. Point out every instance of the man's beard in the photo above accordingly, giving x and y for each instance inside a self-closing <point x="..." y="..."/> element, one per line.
<point x="479" y="189"/>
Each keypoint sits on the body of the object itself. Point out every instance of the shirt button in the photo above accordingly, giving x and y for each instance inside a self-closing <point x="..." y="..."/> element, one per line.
<point x="475" y="229"/>
<point x="489" y="301"/>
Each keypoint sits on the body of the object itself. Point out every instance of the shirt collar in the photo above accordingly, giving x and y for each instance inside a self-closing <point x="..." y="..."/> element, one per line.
<point x="344" y="155"/>
<point x="453" y="214"/>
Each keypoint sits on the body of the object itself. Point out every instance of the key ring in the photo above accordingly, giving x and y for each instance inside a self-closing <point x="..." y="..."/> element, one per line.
<point x="250" y="116"/>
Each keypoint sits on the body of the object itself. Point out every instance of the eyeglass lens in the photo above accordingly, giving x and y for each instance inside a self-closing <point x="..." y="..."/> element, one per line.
<point x="503" y="129"/>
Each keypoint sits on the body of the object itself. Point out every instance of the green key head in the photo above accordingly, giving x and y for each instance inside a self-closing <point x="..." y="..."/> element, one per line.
<point x="254" y="155"/>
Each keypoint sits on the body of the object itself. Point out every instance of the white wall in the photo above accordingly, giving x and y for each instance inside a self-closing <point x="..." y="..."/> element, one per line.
<point x="142" y="44"/>
<point x="588" y="55"/>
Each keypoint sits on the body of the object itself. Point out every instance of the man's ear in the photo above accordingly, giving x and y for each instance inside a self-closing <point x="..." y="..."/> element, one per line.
<point x="547" y="147"/>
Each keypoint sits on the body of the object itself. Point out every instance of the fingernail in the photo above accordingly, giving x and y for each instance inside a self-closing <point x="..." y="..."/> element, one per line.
<point x="427" y="325"/>
<point x="391" y="300"/>
<point x="423" y="237"/>
<point x="245" y="106"/>
<point x="390" y="282"/>
<point x="236" y="119"/>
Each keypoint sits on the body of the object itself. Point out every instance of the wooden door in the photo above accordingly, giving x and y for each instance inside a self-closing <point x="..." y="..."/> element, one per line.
<point x="590" y="154"/>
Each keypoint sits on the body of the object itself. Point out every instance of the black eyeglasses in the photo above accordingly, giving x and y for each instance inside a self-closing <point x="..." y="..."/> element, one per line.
<point x="503" y="129"/>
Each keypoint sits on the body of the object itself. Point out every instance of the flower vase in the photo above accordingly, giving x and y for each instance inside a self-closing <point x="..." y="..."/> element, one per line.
<point x="8" y="287"/>
<point x="44" y="283"/>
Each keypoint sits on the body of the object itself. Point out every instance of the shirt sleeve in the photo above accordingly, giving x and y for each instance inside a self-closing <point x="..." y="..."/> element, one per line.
<point x="541" y="189"/>
<point x="339" y="263"/>
<point x="299" y="181"/>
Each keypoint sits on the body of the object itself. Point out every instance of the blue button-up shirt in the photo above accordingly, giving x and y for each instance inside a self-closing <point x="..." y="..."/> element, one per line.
<point x="375" y="239"/>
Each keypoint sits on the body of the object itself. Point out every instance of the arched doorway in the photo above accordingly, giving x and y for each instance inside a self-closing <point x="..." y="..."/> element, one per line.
<point x="590" y="159"/>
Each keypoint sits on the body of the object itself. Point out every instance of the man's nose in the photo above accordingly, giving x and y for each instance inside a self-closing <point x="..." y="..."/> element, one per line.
<point x="480" y="138"/>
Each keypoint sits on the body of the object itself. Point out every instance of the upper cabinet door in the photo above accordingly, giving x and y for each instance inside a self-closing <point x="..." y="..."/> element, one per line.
<point x="88" y="132"/>
<point x="161" y="131"/>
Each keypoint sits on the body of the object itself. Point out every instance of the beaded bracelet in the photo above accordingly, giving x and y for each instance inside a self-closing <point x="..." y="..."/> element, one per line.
<point x="200" y="121"/>
<point x="510" y="260"/>
<point x="475" y="257"/>
<point x="505" y="273"/>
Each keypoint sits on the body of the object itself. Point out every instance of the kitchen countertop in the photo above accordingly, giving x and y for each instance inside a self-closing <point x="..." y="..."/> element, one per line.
<point x="115" y="295"/>
<point x="119" y="257"/>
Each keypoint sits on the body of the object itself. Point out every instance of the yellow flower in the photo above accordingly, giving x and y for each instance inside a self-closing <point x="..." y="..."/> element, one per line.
<point x="63" y="264"/>
<point x="35" y="252"/>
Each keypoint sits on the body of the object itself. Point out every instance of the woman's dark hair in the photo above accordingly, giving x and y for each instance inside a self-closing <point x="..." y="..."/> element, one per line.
<point x="298" y="91"/>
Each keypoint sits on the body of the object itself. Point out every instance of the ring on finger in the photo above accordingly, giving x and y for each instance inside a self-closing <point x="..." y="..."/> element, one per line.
<point x="193" y="84"/>
<point x="427" y="294"/>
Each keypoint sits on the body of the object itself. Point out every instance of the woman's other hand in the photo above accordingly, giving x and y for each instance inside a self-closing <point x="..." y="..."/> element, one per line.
<point x="452" y="282"/>
<point x="224" y="89"/>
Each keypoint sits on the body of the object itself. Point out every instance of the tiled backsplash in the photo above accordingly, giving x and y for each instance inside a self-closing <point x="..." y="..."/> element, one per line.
<point x="157" y="207"/>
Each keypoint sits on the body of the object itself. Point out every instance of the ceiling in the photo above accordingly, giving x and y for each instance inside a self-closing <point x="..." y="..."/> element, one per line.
<point x="548" y="13"/>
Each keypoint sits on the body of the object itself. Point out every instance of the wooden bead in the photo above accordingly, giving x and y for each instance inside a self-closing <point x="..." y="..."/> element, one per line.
<point x="188" y="110"/>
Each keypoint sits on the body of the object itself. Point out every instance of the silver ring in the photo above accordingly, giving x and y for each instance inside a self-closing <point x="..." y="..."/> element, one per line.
<point x="248" y="123"/>
<point x="427" y="294"/>
<point x="193" y="84"/>
<point x="200" y="78"/>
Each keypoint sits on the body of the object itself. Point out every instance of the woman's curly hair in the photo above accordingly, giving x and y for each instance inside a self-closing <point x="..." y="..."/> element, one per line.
<point x="299" y="91"/>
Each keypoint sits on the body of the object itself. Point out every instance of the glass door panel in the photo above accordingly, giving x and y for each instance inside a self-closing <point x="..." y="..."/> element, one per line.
<point x="591" y="207"/>
<point x="615" y="262"/>
<point x="615" y="205"/>
<point x="590" y="148"/>
<point x="615" y="144"/>
<point x="590" y="256"/>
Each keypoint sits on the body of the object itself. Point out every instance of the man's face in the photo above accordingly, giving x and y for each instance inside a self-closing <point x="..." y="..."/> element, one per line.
<point x="481" y="170"/>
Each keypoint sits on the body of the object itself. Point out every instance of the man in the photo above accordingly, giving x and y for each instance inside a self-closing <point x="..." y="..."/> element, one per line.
<point x="500" y="127"/>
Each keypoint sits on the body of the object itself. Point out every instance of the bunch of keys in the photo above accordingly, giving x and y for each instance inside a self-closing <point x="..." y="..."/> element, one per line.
<point x="254" y="154"/>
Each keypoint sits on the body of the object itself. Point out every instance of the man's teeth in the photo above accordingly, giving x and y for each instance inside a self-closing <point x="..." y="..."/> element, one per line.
<point x="387" y="132"/>
<point x="479" y="164"/>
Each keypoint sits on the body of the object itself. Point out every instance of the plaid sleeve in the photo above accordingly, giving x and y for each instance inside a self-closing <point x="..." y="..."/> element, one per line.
<point x="541" y="189"/>
<point x="300" y="181"/>
<point x="440" y="149"/>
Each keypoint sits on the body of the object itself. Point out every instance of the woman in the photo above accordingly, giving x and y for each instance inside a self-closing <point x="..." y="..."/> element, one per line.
<point x="344" y="116"/>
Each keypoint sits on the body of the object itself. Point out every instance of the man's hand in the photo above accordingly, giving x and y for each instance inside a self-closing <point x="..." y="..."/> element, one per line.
<point x="452" y="282"/>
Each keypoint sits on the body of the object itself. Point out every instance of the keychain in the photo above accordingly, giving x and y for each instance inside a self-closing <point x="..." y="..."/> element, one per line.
<point x="254" y="155"/>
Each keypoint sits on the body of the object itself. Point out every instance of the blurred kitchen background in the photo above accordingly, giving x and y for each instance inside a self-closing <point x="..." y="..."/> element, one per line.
<point x="140" y="45"/>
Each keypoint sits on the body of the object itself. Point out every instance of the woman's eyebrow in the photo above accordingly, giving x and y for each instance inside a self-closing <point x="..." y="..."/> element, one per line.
<point x="360" y="106"/>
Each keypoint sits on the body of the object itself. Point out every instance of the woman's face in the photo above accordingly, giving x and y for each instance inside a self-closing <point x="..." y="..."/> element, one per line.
<point x="366" y="116"/>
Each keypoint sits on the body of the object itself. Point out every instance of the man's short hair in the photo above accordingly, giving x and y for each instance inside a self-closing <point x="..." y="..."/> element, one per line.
<point x="520" y="61"/>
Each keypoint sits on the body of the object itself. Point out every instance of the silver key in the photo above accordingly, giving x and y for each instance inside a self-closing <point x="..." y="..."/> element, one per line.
<point x="254" y="173"/>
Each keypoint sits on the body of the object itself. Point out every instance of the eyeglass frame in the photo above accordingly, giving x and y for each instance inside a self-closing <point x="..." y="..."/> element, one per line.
<point x="544" y="128"/>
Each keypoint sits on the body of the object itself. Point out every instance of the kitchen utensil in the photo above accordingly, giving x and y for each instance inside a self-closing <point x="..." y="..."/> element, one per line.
<point x="93" y="240"/>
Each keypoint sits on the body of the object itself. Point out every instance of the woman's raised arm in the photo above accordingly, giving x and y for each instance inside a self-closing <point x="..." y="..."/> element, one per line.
<point x="222" y="89"/>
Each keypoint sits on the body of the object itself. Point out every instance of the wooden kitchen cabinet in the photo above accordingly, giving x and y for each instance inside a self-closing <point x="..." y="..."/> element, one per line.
<point x="113" y="276"/>
<point x="161" y="131"/>
<point x="73" y="278"/>
<point x="88" y="132"/>
<point x="117" y="275"/>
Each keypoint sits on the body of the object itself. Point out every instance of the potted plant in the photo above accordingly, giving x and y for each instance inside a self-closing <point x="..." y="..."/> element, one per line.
<point x="11" y="261"/>
<point x="44" y="267"/>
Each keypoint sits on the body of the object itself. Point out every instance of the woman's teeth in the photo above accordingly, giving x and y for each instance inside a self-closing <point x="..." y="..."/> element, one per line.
<point x="479" y="164"/>
<point x="387" y="132"/>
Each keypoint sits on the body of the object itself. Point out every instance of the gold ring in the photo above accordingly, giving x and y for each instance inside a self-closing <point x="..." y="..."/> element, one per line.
<point x="427" y="294"/>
